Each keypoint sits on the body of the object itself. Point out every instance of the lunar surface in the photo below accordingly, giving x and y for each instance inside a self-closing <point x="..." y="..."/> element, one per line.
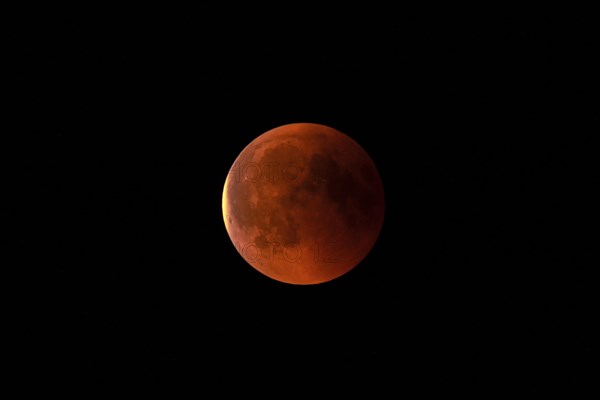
<point x="303" y="203"/>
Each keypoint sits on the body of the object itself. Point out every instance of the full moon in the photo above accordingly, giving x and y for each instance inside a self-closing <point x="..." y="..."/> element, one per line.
<point x="303" y="203"/>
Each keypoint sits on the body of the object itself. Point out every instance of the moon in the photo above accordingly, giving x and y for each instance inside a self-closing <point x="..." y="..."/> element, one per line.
<point x="303" y="203"/>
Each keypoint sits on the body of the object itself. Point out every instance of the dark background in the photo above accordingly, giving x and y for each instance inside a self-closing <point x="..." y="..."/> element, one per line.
<point x="136" y="119"/>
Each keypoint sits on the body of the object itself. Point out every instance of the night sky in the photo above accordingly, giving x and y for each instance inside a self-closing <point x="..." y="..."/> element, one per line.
<point x="138" y="119"/>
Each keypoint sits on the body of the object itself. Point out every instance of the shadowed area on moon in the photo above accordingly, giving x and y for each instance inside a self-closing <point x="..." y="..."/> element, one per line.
<point x="303" y="203"/>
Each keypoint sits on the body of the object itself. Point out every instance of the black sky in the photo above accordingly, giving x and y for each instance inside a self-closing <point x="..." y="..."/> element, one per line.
<point x="139" y="117"/>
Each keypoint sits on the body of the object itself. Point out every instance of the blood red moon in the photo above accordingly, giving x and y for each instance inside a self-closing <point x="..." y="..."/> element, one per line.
<point x="303" y="203"/>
